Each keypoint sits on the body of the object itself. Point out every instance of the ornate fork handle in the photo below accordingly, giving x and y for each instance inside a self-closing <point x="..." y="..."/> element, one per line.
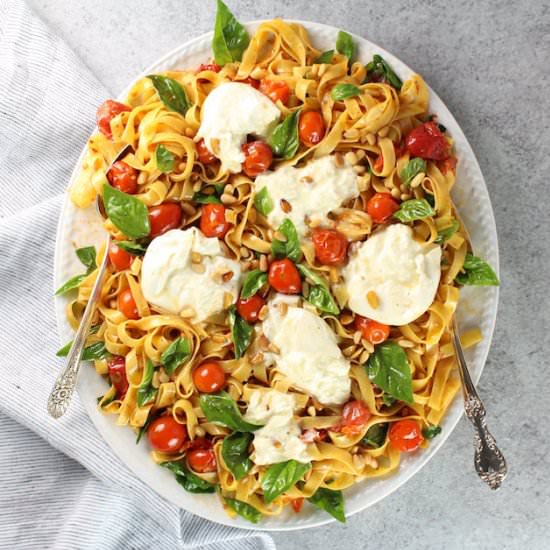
<point x="64" y="386"/>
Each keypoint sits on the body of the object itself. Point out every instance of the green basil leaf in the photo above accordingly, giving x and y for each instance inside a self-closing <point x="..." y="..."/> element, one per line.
<point x="146" y="392"/>
<point x="378" y="70"/>
<point x="477" y="272"/>
<point x="71" y="284"/>
<point x="87" y="256"/>
<point x="235" y="453"/>
<point x="126" y="212"/>
<point x="187" y="479"/>
<point x="230" y="38"/>
<point x="203" y="198"/>
<point x="137" y="249"/>
<point x="344" y="91"/>
<point x="263" y="203"/>
<point x="241" y="332"/>
<point x="446" y="233"/>
<point x="284" y="140"/>
<point x="280" y="477"/>
<point x="325" y="57"/>
<point x="165" y="159"/>
<point x="175" y="354"/>
<point x="253" y="282"/>
<point x="220" y="408"/>
<point x="375" y="436"/>
<point x="319" y="294"/>
<point x="64" y="351"/>
<point x="244" y="509"/>
<point x="171" y="93"/>
<point x="106" y="399"/>
<point x="431" y="431"/>
<point x="330" y="501"/>
<point x="95" y="351"/>
<point x="389" y="369"/>
<point x="414" y="209"/>
<point x="414" y="167"/>
<point x="289" y="248"/>
<point x="345" y="45"/>
<point x="430" y="199"/>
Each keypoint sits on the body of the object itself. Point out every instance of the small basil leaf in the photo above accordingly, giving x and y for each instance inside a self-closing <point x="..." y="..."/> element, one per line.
<point x="375" y="436"/>
<point x="244" y="509"/>
<point x="71" y="284"/>
<point x="171" y="93"/>
<point x="319" y="294"/>
<point x="389" y="369"/>
<point x="477" y="272"/>
<point x="280" y="477"/>
<point x="175" y="354"/>
<point x="446" y="233"/>
<point x="431" y="431"/>
<point x="253" y="282"/>
<point x="87" y="256"/>
<point x="203" y="198"/>
<point x="379" y="71"/>
<point x="241" y="332"/>
<point x="127" y="213"/>
<point x="263" y="203"/>
<point x="430" y="199"/>
<point x="284" y="140"/>
<point x="235" y="453"/>
<point x="165" y="159"/>
<point x="64" y="351"/>
<point x="230" y="38"/>
<point x="95" y="351"/>
<point x="108" y="398"/>
<point x="414" y="167"/>
<point x="345" y="45"/>
<point x="414" y="209"/>
<point x="289" y="248"/>
<point x="330" y="501"/>
<point x="137" y="249"/>
<point x="325" y="57"/>
<point x="344" y="91"/>
<point x="187" y="479"/>
<point x="220" y="408"/>
<point x="146" y="392"/>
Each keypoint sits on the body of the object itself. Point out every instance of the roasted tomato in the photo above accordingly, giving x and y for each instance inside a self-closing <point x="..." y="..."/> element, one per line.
<point x="204" y="154"/>
<point x="202" y="460"/>
<point x="164" y="217"/>
<point x="276" y="90"/>
<point x="127" y="305"/>
<point x="117" y="375"/>
<point x="331" y="246"/>
<point x="405" y="435"/>
<point x="209" y="377"/>
<point x="381" y="207"/>
<point x="106" y="112"/>
<point x="355" y="416"/>
<point x="311" y="128"/>
<point x="373" y="331"/>
<point x="166" y="435"/>
<point x="213" y="222"/>
<point x="257" y="158"/>
<point x="284" y="277"/>
<point x="250" y="81"/>
<point x="123" y="176"/>
<point x="214" y="67"/>
<point x="249" y="308"/>
<point x="428" y="142"/>
<point x="297" y="504"/>
<point x="119" y="258"/>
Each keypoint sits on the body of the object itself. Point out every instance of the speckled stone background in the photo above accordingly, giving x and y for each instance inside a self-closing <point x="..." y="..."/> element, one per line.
<point x="489" y="61"/>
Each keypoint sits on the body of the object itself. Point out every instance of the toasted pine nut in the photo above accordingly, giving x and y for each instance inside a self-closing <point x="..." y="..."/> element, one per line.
<point x="187" y="312"/>
<point x="197" y="186"/>
<point x="142" y="178"/>
<point x="228" y="199"/>
<point x="286" y="207"/>
<point x="196" y="258"/>
<point x="155" y="382"/>
<point x="395" y="193"/>
<point x="364" y="356"/>
<point x="405" y="343"/>
<point x="367" y="345"/>
<point x="405" y="197"/>
<point x="383" y="132"/>
<point x="359" y="169"/>
<point x="370" y="461"/>
<point x="263" y="263"/>
<point x="346" y="319"/>
<point x="358" y="461"/>
<point x="360" y="154"/>
<point x="163" y="377"/>
<point x="357" y="337"/>
<point x="257" y="358"/>
<point x="227" y="276"/>
<point x="189" y="132"/>
<point x="200" y="431"/>
<point x="228" y="189"/>
<point x="351" y="157"/>
<point x="306" y="179"/>
<point x="338" y="160"/>
<point x="313" y="223"/>
<point x="198" y="268"/>
<point x="372" y="299"/>
<point x="283" y="308"/>
<point x="371" y="139"/>
<point x="245" y="265"/>
<point x="189" y="209"/>
<point x="262" y="314"/>
<point x="311" y="411"/>
<point x="245" y="253"/>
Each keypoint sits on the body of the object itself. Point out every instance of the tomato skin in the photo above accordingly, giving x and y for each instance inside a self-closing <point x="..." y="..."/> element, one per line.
<point x="311" y="128"/>
<point x="355" y="416"/>
<point x="284" y="277"/>
<point x="117" y="374"/>
<point x="426" y="141"/>
<point x="447" y="165"/>
<point x="166" y="434"/>
<point x="214" y="67"/>
<point x="204" y="154"/>
<point x="258" y="158"/>
<point x="127" y="305"/>
<point x="297" y="504"/>
<point x="119" y="258"/>
<point x="106" y="112"/>
<point x="209" y="377"/>
<point x="405" y="435"/>
<point x="379" y="163"/>
<point x="202" y="460"/>
<point x="275" y="90"/>
<point x="250" y="81"/>
<point x="123" y="176"/>
<point x="371" y="330"/>
<point x="331" y="247"/>
<point x="213" y="222"/>
<point x="164" y="217"/>
<point x="381" y="207"/>
<point x="249" y="308"/>
<point x="400" y="149"/>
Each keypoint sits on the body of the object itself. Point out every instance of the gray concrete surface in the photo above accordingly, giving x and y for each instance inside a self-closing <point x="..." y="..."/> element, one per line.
<point x="489" y="61"/>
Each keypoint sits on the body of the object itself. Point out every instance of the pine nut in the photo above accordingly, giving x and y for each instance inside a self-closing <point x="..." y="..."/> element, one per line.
<point x="357" y="337"/>
<point x="263" y="263"/>
<point x="338" y="160"/>
<point x="283" y="308"/>
<point x="311" y="411"/>
<point x="219" y="338"/>
<point x="196" y="258"/>
<point x="358" y="462"/>
<point x="189" y="209"/>
<point x="346" y="319"/>
<point x="262" y="314"/>
<point x="405" y="343"/>
<point x="360" y="154"/>
<point x="383" y="132"/>
<point x="352" y="133"/>
<point x="228" y="199"/>
<point x="182" y="166"/>
<point x="364" y="356"/>
<point x="227" y="276"/>
<point x="142" y="178"/>
<point x="367" y="345"/>
<point x="405" y="197"/>
<point x="351" y="158"/>
<point x="198" y="268"/>
<point x="263" y="342"/>
<point x="245" y="253"/>
<point x="371" y="139"/>
<point x="286" y="207"/>
<point x="306" y="179"/>
<point x="359" y="169"/>
<point x="228" y="189"/>
<point x="395" y="193"/>
<point x="257" y="358"/>
<point x="197" y="186"/>
<point x="163" y="377"/>
<point x="372" y="299"/>
<point x="200" y="431"/>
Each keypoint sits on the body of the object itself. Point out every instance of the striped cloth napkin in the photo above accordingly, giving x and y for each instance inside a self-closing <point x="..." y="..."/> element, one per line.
<point x="62" y="487"/>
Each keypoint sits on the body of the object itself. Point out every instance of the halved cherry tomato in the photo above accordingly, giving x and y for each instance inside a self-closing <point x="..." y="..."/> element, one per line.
<point x="258" y="158"/>
<point x="249" y="308"/>
<point x="447" y="165"/>
<point x="284" y="277"/>
<point x="209" y="67"/>
<point x="166" y="435"/>
<point x="119" y="258"/>
<point x="355" y="416"/>
<point x="250" y="81"/>
<point x="197" y="443"/>
<point x="381" y="207"/>
<point x="117" y="374"/>
<point x="209" y="377"/>
<point x="312" y="435"/>
<point x="311" y="128"/>
<point x="426" y="141"/>
<point x="213" y="222"/>
<point x="331" y="246"/>
<point x="202" y="460"/>
<point x="405" y="435"/>
<point x="106" y="112"/>
<point x="297" y="504"/>
<point x="123" y="176"/>
<point x="371" y="330"/>
<point x="127" y="305"/>
<point x="379" y="163"/>
<point x="204" y="154"/>
<point x="164" y="217"/>
<point x="275" y="90"/>
<point x="399" y="149"/>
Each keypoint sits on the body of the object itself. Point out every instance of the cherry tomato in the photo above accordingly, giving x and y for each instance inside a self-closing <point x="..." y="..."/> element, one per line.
<point x="106" y="112"/>
<point x="123" y="177"/>
<point x="258" y="158"/>
<point x="331" y="246"/>
<point x="164" y="217"/>
<point x="209" y="377"/>
<point x="166" y="434"/>
<point x="213" y="222"/>
<point x="355" y="415"/>
<point x="197" y="443"/>
<point x="275" y="90"/>
<point x="371" y="330"/>
<point x="117" y="374"/>
<point x="127" y="305"/>
<point x="204" y="154"/>
<point x="297" y="504"/>
<point x="379" y="163"/>
<point x="447" y="165"/>
<point x="249" y="308"/>
<point x="311" y="128"/>
<point x="250" y="81"/>
<point x="399" y="149"/>
<point x="202" y="460"/>
<point x="214" y="67"/>
<point x="405" y="435"/>
<point x="381" y="207"/>
<point x="119" y="258"/>
<point x="427" y="141"/>
<point x="284" y="277"/>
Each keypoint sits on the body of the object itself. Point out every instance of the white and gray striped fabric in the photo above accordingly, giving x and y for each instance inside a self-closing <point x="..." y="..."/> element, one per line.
<point x="61" y="486"/>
